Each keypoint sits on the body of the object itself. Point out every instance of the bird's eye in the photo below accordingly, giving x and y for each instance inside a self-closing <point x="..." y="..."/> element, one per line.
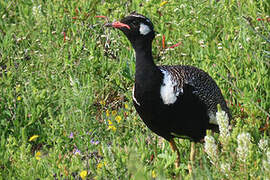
<point x="133" y="23"/>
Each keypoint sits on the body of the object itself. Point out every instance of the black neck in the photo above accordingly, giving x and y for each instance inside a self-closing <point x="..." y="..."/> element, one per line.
<point x="145" y="66"/>
<point x="143" y="54"/>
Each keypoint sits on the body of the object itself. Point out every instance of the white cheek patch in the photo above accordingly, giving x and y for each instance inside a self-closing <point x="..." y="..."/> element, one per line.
<point x="212" y="118"/>
<point x="144" y="29"/>
<point x="168" y="90"/>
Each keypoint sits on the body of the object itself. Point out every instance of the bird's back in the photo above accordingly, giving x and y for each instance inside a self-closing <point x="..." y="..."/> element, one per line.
<point x="204" y="86"/>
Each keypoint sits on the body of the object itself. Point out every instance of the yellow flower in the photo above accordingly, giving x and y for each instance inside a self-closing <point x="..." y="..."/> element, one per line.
<point x="118" y="119"/>
<point x="19" y="98"/>
<point x="154" y="175"/>
<point x="102" y="102"/>
<point x="126" y="106"/>
<point x="109" y="122"/>
<point x="99" y="165"/>
<point x="34" y="137"/>
<point x="112" y="128"/>
<point x="83" y="174"/>
<point x="114" y="112"/>
<point x="107" y="113"/>
<point x="163" y="3"/>
<point x="37" y="155"/>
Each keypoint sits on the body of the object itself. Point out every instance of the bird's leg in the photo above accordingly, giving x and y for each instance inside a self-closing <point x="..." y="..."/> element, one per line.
<point x="192" y="157"/>
<point x="175" y="149"/>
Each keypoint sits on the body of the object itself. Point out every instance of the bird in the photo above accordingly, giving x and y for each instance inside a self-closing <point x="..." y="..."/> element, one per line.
<point x="174" y="101"/>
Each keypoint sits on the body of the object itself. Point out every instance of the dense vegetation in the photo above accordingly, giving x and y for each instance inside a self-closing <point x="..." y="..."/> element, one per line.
<point x="65" y="89"/>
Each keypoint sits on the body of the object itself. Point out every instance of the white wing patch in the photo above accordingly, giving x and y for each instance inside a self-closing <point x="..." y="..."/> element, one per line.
<point x="144" y="29"/>
<point x="212" y="118"/>
<point x="133" y="96"/>
<point x="168" y="90"/>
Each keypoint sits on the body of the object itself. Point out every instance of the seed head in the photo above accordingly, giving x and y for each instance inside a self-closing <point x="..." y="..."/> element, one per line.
<point x="223" y="123"/>
<point x="263" y="144"/>
<point x="225" y="168"/>
<point x="244" y="143"/>
<point x="211" y="148"/>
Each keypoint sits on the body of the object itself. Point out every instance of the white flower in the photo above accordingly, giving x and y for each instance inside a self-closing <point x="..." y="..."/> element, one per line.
<point x="223" y="123"/>
<point x="263" y="144"/>
<point x="240" y="46"/>
<point x="268" y="157"/>
<point x="211" y="148"/>
<point x="244" y="142"/>
<point x="225" y="168"/>
<point x="36" y="10"/>
<point x="183" y="54"/>
<point x="182" y="6"/>
<point x="201" y="42"/>
<point x="266" y="163"/>
<point x="176" y="9"/>
<point x="219" y="47"/>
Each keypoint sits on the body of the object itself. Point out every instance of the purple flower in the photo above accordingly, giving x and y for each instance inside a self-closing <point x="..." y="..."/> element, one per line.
<point x="77" y="151"/>
<point x="71" y="135"/>
<point x="88" y="133"/>
<point x="94" y="142"/>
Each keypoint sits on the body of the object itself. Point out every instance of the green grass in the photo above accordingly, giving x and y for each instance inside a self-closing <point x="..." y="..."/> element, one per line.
<point x="53" y="86"/>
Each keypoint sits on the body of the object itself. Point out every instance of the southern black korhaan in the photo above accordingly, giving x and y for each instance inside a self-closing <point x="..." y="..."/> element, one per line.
<point x="173" y="101"/>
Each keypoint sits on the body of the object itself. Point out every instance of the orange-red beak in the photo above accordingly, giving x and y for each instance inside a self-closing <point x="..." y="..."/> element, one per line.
<point x="117" y="24"/>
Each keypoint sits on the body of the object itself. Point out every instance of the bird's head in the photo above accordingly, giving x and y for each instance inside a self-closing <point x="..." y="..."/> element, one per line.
<point x="136" y="27"/>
